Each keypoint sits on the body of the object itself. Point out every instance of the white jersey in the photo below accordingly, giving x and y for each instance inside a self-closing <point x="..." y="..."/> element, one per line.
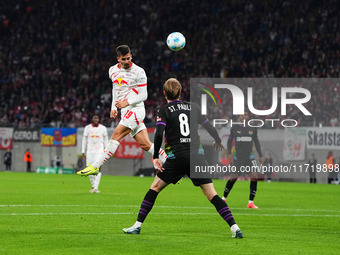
<point x="128" y="84"/>
<point x="95" y="140"/>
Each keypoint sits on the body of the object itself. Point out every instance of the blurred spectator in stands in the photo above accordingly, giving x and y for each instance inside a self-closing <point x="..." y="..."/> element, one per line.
<point x="330" y="163"/>
<point x="8" y="160"/>
<point x="268" y="162"/>
<point x="28" y="159"/>
<point x="312" y="169"/>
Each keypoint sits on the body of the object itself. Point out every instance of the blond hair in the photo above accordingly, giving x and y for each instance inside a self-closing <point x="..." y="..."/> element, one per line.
<point x="172" y="89"/>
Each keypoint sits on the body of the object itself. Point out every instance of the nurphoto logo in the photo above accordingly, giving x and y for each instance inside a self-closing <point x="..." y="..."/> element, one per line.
<point x="288" y="96"/>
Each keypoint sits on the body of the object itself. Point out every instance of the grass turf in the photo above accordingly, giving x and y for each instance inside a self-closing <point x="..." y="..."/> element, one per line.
<point x="55" y="214"/>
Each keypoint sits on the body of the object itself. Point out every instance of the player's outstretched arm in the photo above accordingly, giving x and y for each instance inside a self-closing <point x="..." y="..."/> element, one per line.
<point x="84" y="142"/>
<point x="114" y="112"/>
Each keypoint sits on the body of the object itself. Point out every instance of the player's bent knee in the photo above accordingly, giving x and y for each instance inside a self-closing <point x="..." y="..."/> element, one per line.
<point x="144" y="144"/>
<point x="210" y="196"/>
<point x="158" y="184"/>
<point x="120" y="132"/>
<point x="145" y="147"/>
<point x="209" y="190"/>
<point x="156" y="188"/>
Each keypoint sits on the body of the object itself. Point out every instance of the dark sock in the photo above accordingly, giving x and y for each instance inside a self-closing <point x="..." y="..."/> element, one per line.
<point x="253" y="188"/>
<point x="228" y="187"/>
<point x="147" y="205"/>
<point x="223" y="209"/>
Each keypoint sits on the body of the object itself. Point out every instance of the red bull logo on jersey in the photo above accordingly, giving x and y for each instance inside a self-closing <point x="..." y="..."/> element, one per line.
<point x="95" y="136"/>
<point x="120" y="82"/>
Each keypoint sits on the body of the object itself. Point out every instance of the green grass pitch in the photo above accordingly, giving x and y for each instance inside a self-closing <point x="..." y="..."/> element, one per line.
<point x="56" y="214"/>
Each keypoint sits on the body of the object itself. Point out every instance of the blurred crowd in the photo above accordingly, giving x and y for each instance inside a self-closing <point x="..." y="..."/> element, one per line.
<point x="55" y="55"/>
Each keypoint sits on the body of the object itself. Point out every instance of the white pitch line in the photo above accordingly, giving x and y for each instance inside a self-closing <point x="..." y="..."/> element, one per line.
<point x="127" y="213"/>
<point x="175" y="207"/>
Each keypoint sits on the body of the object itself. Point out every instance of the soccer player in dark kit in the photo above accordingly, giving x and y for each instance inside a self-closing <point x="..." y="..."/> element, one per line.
<point x="243" y="157"/>
<point x="179" y="120"/>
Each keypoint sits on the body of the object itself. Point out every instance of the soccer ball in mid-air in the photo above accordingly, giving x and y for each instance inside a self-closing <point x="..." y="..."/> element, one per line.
<point x="175" y="41"/>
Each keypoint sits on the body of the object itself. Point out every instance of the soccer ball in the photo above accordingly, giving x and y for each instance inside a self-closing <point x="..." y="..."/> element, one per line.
<point x="175" y="41"/>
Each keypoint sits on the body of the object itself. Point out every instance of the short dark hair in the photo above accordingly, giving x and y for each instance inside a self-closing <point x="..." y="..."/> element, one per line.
<point x="122" y="50"/>
<point x="172" y="89"/>
<point x="95" y="114"/>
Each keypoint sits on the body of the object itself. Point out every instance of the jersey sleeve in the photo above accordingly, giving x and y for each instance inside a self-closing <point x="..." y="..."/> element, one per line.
<point x="114" y="96"/>
<point x="84" y="142"/>
<point x="160" y="127"/>
<point x="204" y="121"/>
<point x="111" y="72"/>
<point x="257" y="144"/>
<point x="106" y="137"/>
<point x="232" y="132"/>
<point x="201" y="119"/>
<point x="141" y="79"/>
<point x="161" y="117"/>
<point x="230" y="140"/>
<point x="141" y="92"/>
<point x="158" y="139"/>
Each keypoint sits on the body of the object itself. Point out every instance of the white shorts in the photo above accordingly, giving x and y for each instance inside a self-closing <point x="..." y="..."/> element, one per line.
<point x="133" y="119"/>
<point x="91" y="157"/>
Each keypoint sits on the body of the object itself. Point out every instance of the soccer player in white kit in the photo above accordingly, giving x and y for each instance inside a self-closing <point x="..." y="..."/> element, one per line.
<point x="95" y="140"/>
<point x="129" y="93"/>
